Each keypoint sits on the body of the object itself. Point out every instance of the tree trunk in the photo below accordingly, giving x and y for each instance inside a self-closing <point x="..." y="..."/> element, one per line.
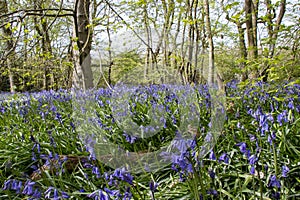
<point x="211" y="56"/>
<point x="251" y="27"/>
<point x="110" y="61"/>
<point x="82" y="75"/>
<point x="9" y="46"/>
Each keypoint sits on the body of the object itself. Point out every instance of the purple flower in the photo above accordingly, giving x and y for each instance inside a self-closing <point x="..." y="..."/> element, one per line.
<point x="271" y="137"/>
<point x="153" y="186"/>
<point x="285" y="170"/>
<point x="55" y="195"/>
<point x="28" y="188"/>
<point x="212" y="192"/>
<point x="252" y="137"/>
<point x="96" y="171"/>
<point x="127" y="194"/>
<point x="212" y="174"/>
<point x="242" y="146"/>
<point x="124" y="175"/>
<point x="253" y="159"/>
<point x="274" y="182"/>
<point x="115" y="193"/>
<point x="212" y="155"/>
<point x="16" y="185"/>
<point x="282" y="117"/>
<point x="276" y="195"/>
<point x="224" y="157"/>
<point x="252" y="170"/>
<point x="37" y="194"/>
<point x="64" y="195"/>
<point x="7" y="184"/>
<point x="130" y="138"/>
<point x="98" y="195"/>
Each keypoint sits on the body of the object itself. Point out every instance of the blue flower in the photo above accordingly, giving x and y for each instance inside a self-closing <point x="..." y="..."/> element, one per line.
<point x="115" y="193"/>
<point x="28" y="188"/>
<point x="127" y="194"/>
<point x="37" y="194"/>
<point x="242" y="146"/>
<point x="7" y="184"/>
<point x="253" y="159"/>
<point x="271" y="137"/>
<point x="98" y="195"/>
<point x="274" y="182"/>
<point x="224" y="157"/>
<point x="276" y="195"/>
<point x="252" y="170"/>
<point x="212" y="192"/>
<point x="285" y="170"/>
<point x="16" y="185"/>
<point x="153" y="186"/>
<point x="212" y="155"/>
<point x="96" y="171"/>
<point x="252" y="137"/>
<point x="212" y="174"/>
<point x="129" y="138"/>
<point x="123" y="175"/>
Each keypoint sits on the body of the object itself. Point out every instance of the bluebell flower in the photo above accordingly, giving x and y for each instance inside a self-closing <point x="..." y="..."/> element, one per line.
<point x="212" y="192"/>
<point x="28" y="188"/>
<point x="243" y="147"/>
<point x="282" y="117"/>
<point x="153" y="186"/>
<point x="129" y="138"/>
<point x="224" y="157"/>
<point x="96" y="171"/>
<point x="274" y="182"/>
<point x="16" y="185"/>
<point x="212" y="155"/>
<point x="124" y="175"/>
<point x="55" y="195"/>
<point x="253" y="159"/>
<point x="212" y="174"/>
<point x="98" y="195"/>
<point x="64" y="195"/>
<point x="127" y="194"/>
<point x="115" y="193"/>
<point x="252" y="137"/>
<point x="285" y="171"/>
<point x="252" y="170"/>
<point x="7" y="184"/>
<point x="291" y="104"/>
<point x="276" y="195"/>
<point x="36" y="194"/>
<point x="81" y="190"/>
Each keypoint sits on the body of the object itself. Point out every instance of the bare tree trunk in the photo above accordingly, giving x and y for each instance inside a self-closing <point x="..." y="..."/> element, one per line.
<point x="109" y="51"/>
<point x="251" y="26"/>
<point x="82" y="75"/>
<point x="191" y="39"/>
<point x="243" y="51"/>
<point x="211" y="55"/>
<point x="148" y="39"/>
<point x="47" y="52"/>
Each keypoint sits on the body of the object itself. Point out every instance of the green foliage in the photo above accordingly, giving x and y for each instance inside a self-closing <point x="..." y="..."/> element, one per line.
<point x="265" y="117"/>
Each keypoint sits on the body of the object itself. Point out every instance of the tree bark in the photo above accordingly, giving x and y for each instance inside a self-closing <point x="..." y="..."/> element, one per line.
<point x="9" y="46"/>
<point x="82" y="75"/>
<point x="251" y="7"/>
<point x="211" y="55"/>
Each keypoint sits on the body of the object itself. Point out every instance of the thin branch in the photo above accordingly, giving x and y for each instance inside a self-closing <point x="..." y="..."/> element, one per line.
<point x="32" y="11"/>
